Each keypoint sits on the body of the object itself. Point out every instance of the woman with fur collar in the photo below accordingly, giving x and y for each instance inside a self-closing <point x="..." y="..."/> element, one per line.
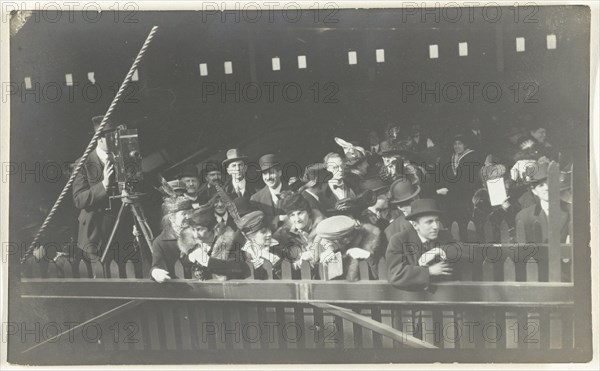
<point x="297" y="235"/>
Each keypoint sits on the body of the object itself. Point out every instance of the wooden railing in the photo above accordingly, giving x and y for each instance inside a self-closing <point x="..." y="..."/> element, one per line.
<point x="507" y="296"/>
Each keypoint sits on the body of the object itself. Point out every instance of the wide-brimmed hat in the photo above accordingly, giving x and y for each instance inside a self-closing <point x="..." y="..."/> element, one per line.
<point x="252" y="222"/>
<point x="353" y="153"/>
<point x="402" y="190"/>
<point x="316" y="174"/>
<point x="203" y="216"/>
<point x="234" y="155"/>
<point x="291" y="202"/>
<point x="267" y="162"/>
<point x="375" y="184"/>
<point x="536" y="173"/>
<point x="108" y="127"/>
<point x="174" y="204"/>
<point x="354" y="206"/>
<point x="335" y="227"/>
<point x="423" y="206"/>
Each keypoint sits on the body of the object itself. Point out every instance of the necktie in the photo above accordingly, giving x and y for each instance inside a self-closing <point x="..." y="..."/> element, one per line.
<point x="238" y="191"/>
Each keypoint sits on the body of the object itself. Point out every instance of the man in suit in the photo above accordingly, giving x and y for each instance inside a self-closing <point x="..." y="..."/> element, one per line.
<point x="267" y="199"/>
<point x="534" y="218"/>
<point x="189" y="176"/>
<point x="212" y="174"/>
<point x="337" y="188"/>
<point x="237" y="185"/>
<point x="93" y="186"/>
<point x="403" y="193"/>
<point x="316" y="178"/>
<point x="416" y="257"/>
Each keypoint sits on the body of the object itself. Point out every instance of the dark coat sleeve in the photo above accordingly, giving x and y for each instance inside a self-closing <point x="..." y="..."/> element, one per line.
<point x="401" y="257"/>
<point x="89" y="193"/>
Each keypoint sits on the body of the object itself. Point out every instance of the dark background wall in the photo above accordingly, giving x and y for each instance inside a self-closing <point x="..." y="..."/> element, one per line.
<point x="167" y="105"/>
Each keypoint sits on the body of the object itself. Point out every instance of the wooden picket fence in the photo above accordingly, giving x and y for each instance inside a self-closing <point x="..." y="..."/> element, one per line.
<point x="507" y="296"/>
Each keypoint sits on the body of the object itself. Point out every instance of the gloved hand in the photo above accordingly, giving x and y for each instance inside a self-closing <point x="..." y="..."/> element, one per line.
<point x="160" y="275"/>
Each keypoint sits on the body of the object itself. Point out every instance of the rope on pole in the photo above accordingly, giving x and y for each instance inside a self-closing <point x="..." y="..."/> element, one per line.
<point x="92" y="145"/>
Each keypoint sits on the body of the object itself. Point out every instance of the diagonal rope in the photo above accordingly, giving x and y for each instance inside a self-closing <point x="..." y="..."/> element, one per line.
<point x="92" y="143"/>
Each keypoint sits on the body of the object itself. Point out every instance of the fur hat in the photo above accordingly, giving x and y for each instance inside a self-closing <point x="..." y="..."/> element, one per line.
<point x="291" y="202"/>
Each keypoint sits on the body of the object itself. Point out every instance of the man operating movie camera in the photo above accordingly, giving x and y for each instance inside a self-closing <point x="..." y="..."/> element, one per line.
<point x="106" y="184"/>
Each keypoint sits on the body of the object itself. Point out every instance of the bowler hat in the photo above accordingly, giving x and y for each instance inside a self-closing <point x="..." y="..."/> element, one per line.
<point x="108" y="127"/>
<point x="267" y="162"/>
<point x="234" y="155"/>
<point x="189" y="171"/>
<point x="423" y="206"/>
<point x="402" y="190"/>
<point x="252" y="222"/>
<point x="335" y="227"/>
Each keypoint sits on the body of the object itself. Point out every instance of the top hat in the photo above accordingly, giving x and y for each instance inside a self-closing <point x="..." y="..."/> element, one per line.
<point x="402" y="190"/>
<point x="423" y="206"/>
<point x="267" y="162"/>
<point x="189" y="171"/>
<point x="108" y="127"/>
<point x="234" y="155"/>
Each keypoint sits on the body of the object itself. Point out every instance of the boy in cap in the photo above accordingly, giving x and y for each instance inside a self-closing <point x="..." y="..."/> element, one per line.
<point x="415" y="256"/>
<point x="267" y="199"/>
<point x="355" y="241"/>
<point x="297" y="235"/>
<point x="210" y="247"/>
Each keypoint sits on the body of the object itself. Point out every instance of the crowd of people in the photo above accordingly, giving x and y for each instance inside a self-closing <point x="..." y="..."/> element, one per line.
<point x="394" y="198"/>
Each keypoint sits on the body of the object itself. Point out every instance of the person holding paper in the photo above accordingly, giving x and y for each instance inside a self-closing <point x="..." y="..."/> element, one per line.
<point x="343" y="242"/>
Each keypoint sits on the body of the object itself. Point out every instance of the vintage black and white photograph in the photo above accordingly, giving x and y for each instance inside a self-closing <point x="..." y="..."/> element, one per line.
<point x="298" y="183"/>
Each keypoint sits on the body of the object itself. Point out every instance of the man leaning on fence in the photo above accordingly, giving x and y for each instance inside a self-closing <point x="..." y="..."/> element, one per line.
<point x="416" y="257"/>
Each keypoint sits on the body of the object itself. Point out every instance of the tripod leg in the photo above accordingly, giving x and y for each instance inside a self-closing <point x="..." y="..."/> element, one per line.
<point x="146" y="260"/>
<point x="112" y="233"/>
